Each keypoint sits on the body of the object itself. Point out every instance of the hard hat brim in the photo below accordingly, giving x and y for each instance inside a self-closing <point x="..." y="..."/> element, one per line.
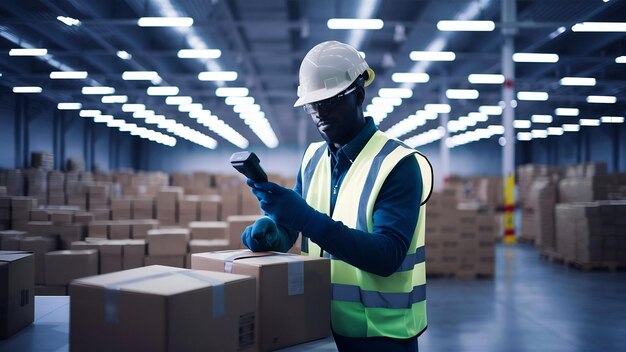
<point x="319" y="94"/>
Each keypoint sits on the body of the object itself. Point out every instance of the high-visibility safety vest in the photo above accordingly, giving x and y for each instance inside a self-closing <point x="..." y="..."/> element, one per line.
<point x="364" y="304"/>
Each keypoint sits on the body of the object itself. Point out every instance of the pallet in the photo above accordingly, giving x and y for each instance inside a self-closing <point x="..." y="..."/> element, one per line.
<point x="551" y="256"/>
<point x="599" y="266"/>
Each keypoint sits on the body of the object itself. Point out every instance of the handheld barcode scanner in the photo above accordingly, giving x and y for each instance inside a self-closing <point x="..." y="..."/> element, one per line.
<point x="248" y="164"/>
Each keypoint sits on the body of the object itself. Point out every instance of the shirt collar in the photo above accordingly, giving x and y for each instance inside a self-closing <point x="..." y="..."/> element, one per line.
<point x="352" y="149"/>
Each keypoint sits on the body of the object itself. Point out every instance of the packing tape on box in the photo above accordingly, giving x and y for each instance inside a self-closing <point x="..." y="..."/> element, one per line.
<point x="295" y="268"/>
<point x="111" y="293"/>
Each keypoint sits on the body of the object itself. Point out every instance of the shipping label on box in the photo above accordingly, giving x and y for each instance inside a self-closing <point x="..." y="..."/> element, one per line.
<point x="159" y="308"/>
<point x="288" y="285"/>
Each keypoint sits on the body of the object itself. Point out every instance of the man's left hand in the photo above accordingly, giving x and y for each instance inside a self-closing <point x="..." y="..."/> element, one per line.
<point x="282" y="205"/>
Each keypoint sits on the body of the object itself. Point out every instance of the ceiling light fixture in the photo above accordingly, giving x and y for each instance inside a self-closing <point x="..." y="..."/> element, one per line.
<point x="232" y="92"/>
<point x="69" y="21"/>
<point x="165" y="22"/>
<point x="355" y="23"/>
<point x="140" y="75"/>
<point x="521" y="124"/>
<point x="403" y="93"/>
<point x="533" y="96"/>
<point x="491" y="109"/>
<point x="566" y="111"/>
<point x="541" y="118"/>
<point x="612" y="119"/>
<point x="571" y="127"/>
<point x="438" y="108"/>
<point x="239" y="100"/>
<point x="432" y="56"/>
<point x="462" y="94"/>
<point x="589" y="122"/>
<point x="199" y="53"/>
<point x="28" y="52"/>
<point x="124" y="55"/>
<point x="601" y="99"/>
<point x="485" y="78"/>
<point x="578" y="81"/>
<point x="178" y="100"/>
<point x="535" y="57"/>
<point x="162" y="91"/>
<point x="98" y="90"/>
<point x="27" y="89"/>
<point x="616" y="27"/>
<point x="410" y="77"/>
<point x="69" y="106"/>
<point x="466" y="26"/>
<point x="223" y="76"/>
<point x="109" y="99"/>
<point x="68" y="74"/>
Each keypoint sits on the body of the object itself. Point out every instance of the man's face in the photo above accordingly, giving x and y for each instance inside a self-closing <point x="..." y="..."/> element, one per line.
<point x="339" y="119"/>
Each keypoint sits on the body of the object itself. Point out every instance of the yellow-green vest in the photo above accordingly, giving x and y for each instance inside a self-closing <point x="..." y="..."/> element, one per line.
<point x="364" y="304"/>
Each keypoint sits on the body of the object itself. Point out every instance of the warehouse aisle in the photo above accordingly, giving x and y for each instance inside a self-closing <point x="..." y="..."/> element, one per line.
<point x="532" y="305"/>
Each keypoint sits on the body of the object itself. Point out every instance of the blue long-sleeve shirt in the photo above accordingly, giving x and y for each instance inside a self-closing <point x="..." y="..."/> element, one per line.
<point x="395" y="214"/>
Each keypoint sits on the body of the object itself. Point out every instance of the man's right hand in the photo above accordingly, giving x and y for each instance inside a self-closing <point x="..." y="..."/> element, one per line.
<point x="261" y="236"/>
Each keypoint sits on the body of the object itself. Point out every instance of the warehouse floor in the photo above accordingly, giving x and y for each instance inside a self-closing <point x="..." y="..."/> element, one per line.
<point x="532" y="305"/>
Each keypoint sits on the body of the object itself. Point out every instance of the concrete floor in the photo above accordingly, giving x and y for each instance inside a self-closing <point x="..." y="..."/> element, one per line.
<point x="531" y="305"/>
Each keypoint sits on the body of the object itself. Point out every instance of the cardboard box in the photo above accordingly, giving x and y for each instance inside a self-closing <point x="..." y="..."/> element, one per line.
<point x="176" y="261"/>
<point x="39" y="245"/>
<point x="168" y="241"/>
<point x="50" y="290"/>
<point x="10" y="240"/>
<point x="200" y="246"/>
<point x="134" y="254"/>
<point x="61" y="267"/>
<point x="98" y="229"/>
<point x="119" y="230"/>
<point x="17" y="301"/>
<point x="288" y="286"/>
<point x="210" y="208"/>
<point x="61" y="218"/>
<point x="143" y="208"/>
<point x="140" y="228"/>
<point x="158" y="308"/>
<point x="236" y="225"/>
<point x="208" y="230"/>
<point x="83" y="218"/>
<point x="70" y="233"/>
<point x="39" y="215"/>
<point x="111" y="256"/>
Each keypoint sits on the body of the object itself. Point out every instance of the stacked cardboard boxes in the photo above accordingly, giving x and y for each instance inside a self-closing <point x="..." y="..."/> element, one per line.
<point x="538" y="214"/>
<point x="39" y="245"/>
<point x="5" y="213"/>
<point x="64" y="266"/>
<point x="166" y="204"/>
<point x="143" y="208"/>
<point x="56" y="188"/>
<point x="41" y="160"/>
<point x="13" y="180"/>
<point x="20" y="211"/>
<point x="37" y="185"/>
<point x="98" y="196"/>
<point x="167" y="247"/>
<point x="188" y="209"/>
<point x="210" y="208"/>
<point x="121" y="209"/>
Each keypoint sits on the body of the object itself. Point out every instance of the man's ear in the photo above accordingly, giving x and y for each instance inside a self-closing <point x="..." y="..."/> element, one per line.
<point x="360" y="95"/>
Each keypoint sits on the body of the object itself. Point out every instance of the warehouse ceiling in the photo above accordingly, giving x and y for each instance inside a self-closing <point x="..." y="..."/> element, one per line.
<point x="263" y="42"/>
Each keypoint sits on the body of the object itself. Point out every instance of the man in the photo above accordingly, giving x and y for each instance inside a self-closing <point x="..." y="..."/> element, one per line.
<point x="358" y="200"/>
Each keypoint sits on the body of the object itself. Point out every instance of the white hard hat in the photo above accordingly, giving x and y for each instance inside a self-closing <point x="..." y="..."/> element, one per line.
<point x="329" y="68"/>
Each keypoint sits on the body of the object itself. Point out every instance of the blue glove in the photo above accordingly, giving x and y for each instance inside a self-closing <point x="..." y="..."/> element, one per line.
<point x="282" y="205"/>
<point x="260" y="236"/>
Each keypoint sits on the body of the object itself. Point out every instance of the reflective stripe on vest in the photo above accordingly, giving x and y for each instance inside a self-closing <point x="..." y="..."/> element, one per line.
<point x="365" y="304"/>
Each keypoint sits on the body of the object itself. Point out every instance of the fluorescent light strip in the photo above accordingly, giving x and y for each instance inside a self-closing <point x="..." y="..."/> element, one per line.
<point x="539" y="133"/>
<point x="162" y="91"/>
<point x="178" y="100"/>
<point x="246" y="108"/>
<point x="133" y="107"/>
<point x="620" y="60"/>
<point x="426" y="137"/>
<point x="405" y="126"/>
<point x="533" y="96"/>
<point x="190" y="107"/>
<point x="524" y="136"/>
<point x="98" y="90"/>
<point x="613" y="27"/>
<point x="478" y="117"/>
<point x="491" y="110"/>
<point x="566" y="111"/>
<point x="354" y="23"/>
<point x="109" y="99"/>
<point x="387" y="101"/>
<point x="403" y="93"/>
<point x="27" y="89"/>
<point x="541" y="118"/>
<point x="232" y="92"/>
<point x="438" y="108"/>
<point x="222" y="76"/>
<point x="199" y="53"/>
<point x="410" y="77"/>
<point x="69" y="106"/>
<point x="466" y="26"/>
<point x="239" y="100"/>
<point x="578" y="81"/>
<point x="601" y="99"/>
<point x="535" y="57"/>
<point x="571" y="127"/>
<point x="140" y="75"/>
<point x="589" y="122"/>
<point x="28" y="52"/>
<point x="69" y="21"/>
<point x="165" y="22"/>
<point x="555" y="131"/>
<point x="68" y="74"/>
<point x="124" y="55"/>
<point x="89" y="113"/>
<point x="485" y="78"/>
<point x="521" y="124"/>
<point x="612" y="119"/>
<point x="462" y="94"/>
<point x="432" y="56"/>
